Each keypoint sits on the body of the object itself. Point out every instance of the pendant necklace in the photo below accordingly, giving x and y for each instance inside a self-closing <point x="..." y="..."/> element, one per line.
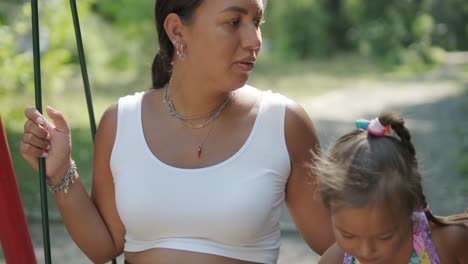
<point x="212" y="116"/>
<point x="200" y="145"/>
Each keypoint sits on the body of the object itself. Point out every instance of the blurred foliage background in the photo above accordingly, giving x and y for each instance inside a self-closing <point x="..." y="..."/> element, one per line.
<point x="323" y="42"/>
<point x="310" y="47"/>
<point x="120" y="34"/>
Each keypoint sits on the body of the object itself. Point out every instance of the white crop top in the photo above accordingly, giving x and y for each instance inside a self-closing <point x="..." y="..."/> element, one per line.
<point x="230" y="209"/>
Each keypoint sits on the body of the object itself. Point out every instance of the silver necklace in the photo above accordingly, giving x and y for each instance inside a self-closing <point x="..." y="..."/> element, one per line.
<point x="200" y="145"/>
<point x="213" y="115"/>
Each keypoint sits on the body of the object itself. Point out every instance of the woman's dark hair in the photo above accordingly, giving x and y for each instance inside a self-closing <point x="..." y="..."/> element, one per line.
<point x="162" y="68"/>
<point x="377" y="171"/>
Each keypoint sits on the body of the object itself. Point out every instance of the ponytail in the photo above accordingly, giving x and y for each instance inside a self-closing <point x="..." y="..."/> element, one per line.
<point x="398" y="125"/>
<point x="161" y="69"/>
<point x="428" y="213"/>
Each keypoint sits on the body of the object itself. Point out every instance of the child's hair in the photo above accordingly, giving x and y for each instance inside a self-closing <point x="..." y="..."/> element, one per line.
<point x="363" y="170"/>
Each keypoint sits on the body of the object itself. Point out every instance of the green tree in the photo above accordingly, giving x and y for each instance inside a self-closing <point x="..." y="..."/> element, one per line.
<point x="298" y="29"/>
<point x="57" y="46"/>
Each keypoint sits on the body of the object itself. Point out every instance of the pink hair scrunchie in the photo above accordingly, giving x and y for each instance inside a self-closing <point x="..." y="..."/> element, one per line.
<point x="377" y="129"/>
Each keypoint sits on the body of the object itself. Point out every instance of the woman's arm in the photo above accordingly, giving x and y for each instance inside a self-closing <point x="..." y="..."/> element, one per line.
<point x="303" y="200"/>
<point x="87" y="222"/>
<point x="462" y="244"/>
<point x="103" y="193"/>
<point x="451" y="242"/>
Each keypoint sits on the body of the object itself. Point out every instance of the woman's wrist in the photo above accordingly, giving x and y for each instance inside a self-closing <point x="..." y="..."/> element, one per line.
<point x="63" y="183"/>
<point x="60" y="171"/>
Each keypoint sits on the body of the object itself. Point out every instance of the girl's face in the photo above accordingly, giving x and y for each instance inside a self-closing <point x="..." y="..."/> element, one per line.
<point x="224" y="39"/>
<point x="371" y="234"/>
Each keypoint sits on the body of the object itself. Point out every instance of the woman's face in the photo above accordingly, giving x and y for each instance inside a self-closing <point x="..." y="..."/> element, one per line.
<point x="223" y="41"/>
<point x="371" y="234"/>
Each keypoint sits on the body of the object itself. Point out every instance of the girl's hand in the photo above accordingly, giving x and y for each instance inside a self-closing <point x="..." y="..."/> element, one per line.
<point x="42" y="138"/>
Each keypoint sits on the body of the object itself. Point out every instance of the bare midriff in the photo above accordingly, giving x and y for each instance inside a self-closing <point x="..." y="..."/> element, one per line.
<point x="174" y="256"/>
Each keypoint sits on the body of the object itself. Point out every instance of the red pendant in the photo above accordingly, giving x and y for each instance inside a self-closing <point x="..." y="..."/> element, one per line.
<point x="199" y="151"/>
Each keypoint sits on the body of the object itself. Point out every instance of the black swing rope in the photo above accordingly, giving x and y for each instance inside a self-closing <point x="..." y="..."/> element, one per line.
<point x="38" y="96"/>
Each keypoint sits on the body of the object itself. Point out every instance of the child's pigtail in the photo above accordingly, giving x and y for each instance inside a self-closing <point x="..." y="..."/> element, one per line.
<point x="428" y="213"/>
<point x="398" y="125"/>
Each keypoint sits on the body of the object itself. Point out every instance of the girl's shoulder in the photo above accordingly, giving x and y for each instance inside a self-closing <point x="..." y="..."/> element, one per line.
<point x="451" y="242"/>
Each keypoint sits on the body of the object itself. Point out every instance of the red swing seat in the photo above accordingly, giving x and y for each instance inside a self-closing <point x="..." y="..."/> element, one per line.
<point x="14" y="234"/>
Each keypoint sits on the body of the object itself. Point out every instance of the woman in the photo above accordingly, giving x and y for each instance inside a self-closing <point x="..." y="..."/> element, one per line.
<point x="196" y="169"/>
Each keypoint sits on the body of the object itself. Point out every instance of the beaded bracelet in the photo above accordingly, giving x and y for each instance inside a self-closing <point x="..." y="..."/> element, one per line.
<point x="67" y="179"/>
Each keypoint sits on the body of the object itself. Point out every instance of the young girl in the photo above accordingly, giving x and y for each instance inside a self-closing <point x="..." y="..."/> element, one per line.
<point x="371" y="186"/>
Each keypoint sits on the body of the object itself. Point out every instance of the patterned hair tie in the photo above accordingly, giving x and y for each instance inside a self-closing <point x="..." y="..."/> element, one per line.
<point x="373" y="127"/>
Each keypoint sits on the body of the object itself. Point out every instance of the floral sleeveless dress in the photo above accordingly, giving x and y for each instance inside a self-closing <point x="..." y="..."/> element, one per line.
<point x="424" y="251"/>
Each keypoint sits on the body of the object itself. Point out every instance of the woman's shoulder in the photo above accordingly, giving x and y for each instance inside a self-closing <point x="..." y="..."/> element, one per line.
<point x="451" y="241"/>
<point x="294" y="111"/>
<point x="109" y="117"/>
<point x="132" y="97"/>
<point x="128" y="103"/>
<point x="273" y="97"/>
<point x="270" y="94"/>
<point x="333" y="255"/>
